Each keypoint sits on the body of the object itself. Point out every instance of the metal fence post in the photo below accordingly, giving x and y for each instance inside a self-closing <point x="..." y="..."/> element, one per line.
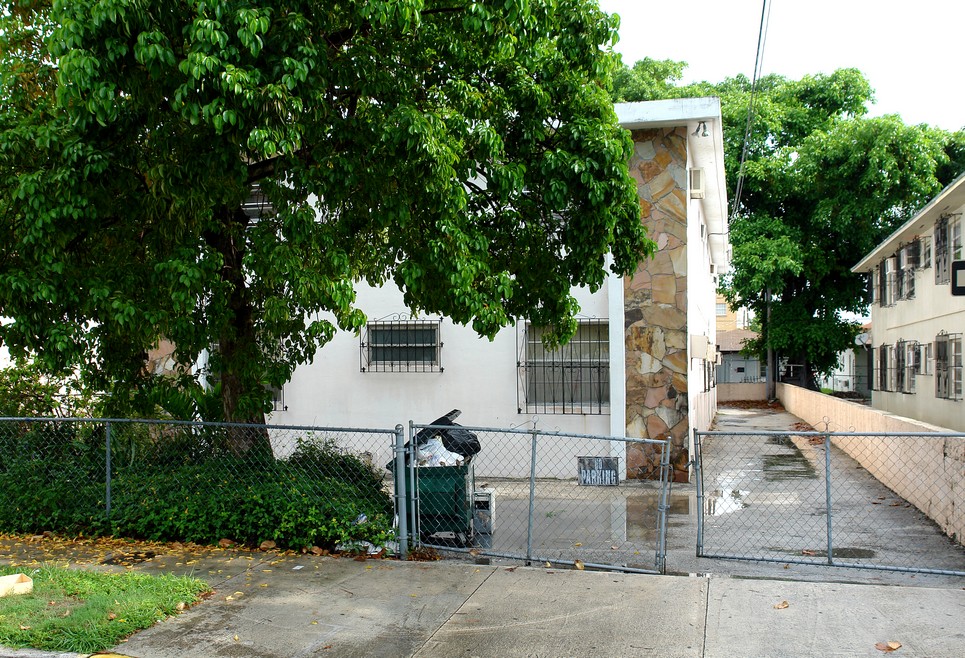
<point x="827" y="493"/>
<point x="107" y="461"/>
<point x="400" y="491"/>
<point x="532" y="500"/>
<point x="413" y="500"/>
<point x="663" y="507"/>
<point x="699" y="476"/>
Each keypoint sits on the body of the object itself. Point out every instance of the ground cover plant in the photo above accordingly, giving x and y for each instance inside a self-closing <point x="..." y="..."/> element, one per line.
<point x="86" y="611"/>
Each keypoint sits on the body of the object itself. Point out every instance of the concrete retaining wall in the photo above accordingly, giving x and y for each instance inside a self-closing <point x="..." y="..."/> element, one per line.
<point x="928" y="472"/>
<point x="732" y="392"/>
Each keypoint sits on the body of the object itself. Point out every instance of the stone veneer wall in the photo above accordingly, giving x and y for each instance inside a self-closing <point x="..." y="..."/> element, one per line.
<point x="655" y="306"/>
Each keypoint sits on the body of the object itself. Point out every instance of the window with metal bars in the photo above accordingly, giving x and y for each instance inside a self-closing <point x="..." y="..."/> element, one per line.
<point x="401" y="346"/>
<point x="948" y="366"/>
<point x="907" y="365"/>
<point x="570" y="379"/>
<point x="942" y="265"/>
<point x="886" y="373"/>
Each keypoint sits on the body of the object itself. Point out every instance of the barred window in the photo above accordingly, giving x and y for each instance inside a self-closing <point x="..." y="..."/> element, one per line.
<point x="925" y="262"/>
<point x="571" y="379"/>
<point x="886" y="371"/>
<point x="278" y="398"/>
<point x="401" y="346"/>
<point x="948" y="366"/>
<point x="942" y="265"/>
<point x="907" y="365"/>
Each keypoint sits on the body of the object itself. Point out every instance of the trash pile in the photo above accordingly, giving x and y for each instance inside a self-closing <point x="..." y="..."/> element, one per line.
<point x="449" y="445"/>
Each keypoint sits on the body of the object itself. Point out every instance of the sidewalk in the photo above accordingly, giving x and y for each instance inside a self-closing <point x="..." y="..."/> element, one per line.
<point x="269" y="606"/>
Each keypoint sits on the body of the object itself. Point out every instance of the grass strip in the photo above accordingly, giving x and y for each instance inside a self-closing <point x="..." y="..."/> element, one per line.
<point x="87" y="611"/>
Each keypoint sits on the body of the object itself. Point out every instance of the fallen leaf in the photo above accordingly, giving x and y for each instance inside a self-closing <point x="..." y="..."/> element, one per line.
<point x="888" y="647"/>
<point x="807" y="551"/>
<point x="579" y="565"/>
<point x="236" y="638"/>
<point x="24" y="628"/>
<point x="263" y="585"/>
<point x="510" y="568"/>
<point x="474" y="552"/>
<point x="578" y="544"/>
<point x="267" y="545"/>
<point x="781" y="606"/>
<point x="180" y="606"/>
<point x="314" y="623"/>
<point x="613" y="547"/>
<point x="225" y="543"/>
<point x="229" y="598"/>
<point x="112" y="616"/>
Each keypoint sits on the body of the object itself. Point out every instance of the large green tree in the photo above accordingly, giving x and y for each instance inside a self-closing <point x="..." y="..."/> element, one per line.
<point x="465" y="150"/>
<point x="821" y="184"/>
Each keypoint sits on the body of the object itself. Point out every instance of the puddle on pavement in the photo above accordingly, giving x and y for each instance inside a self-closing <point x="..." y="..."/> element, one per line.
<point x="642" y="514"/>
<point x="724" y="502"/>
<point x="846" y="553"/>
<point x="792" y="465"/>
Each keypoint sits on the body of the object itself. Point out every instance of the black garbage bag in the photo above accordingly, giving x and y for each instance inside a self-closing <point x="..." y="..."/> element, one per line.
<point x="454" y="437"/>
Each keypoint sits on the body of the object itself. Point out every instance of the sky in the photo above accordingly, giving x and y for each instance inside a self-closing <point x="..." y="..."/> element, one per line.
<point x="911" y="53"/>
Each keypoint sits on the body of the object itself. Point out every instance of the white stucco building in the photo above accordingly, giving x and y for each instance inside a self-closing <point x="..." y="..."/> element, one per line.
<point x="640" y="365"/>
<point x="916" y="320"/>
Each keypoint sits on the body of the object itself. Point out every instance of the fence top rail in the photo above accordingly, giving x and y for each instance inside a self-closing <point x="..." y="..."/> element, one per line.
<point x="194" y="423"/>
<point x="530" y="432"/>
<point x="929" y="435"/>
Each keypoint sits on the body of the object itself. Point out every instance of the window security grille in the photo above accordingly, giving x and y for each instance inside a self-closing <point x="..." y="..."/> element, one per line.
<point x="942" y="267"/>
<point x="925" y="261"/>
<point x="401" y="346"/>
<point x="885" y="368"/>
<point x="278" y="398"/>
<point x="948" y="366"/>
<point x="908" y="259"/>
<point x="571" y="379"/>
<point x="907" y="365"/>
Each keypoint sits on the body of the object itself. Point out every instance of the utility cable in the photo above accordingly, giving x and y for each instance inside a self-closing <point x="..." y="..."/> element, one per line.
<point x="758" y="65"/>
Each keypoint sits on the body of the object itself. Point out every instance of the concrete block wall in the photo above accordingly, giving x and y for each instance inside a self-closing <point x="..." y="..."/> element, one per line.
<point x="928" y="472"/>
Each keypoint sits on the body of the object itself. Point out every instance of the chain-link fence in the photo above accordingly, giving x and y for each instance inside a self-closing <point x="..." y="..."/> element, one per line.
<point x="882" y="501"/>
<point x="200" y="482"/>
<point x="538" y="497"/>
<point x="525" y="495"/>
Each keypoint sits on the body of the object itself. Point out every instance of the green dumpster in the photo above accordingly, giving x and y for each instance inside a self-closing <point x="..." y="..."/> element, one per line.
<point x="445" y="503"/>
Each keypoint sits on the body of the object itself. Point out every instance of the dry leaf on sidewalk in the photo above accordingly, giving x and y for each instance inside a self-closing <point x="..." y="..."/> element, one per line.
<point x="781" y="605"/>
<point x="888" y="647"/>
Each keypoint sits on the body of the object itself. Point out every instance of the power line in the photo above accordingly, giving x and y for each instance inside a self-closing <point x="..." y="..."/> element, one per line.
<point x="758" y="65"/>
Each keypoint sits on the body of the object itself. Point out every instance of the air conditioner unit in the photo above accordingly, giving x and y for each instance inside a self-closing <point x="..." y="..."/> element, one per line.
<point x="697" y="183"/>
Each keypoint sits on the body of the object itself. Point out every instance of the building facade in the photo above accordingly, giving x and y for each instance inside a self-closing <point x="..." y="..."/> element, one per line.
<point x="641" y="364"/>
<point x="916" y="321"/>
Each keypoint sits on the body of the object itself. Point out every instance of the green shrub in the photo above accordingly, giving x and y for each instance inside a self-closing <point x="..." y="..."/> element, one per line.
<point x="319" y="496"/>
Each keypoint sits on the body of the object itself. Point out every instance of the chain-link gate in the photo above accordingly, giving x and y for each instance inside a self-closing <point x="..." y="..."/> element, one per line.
<point x="874" y="501"/>
<point x="542" y="497"/>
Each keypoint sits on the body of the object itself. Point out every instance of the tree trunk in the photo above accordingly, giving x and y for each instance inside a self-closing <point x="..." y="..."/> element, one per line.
<point x="237" y="341"/>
